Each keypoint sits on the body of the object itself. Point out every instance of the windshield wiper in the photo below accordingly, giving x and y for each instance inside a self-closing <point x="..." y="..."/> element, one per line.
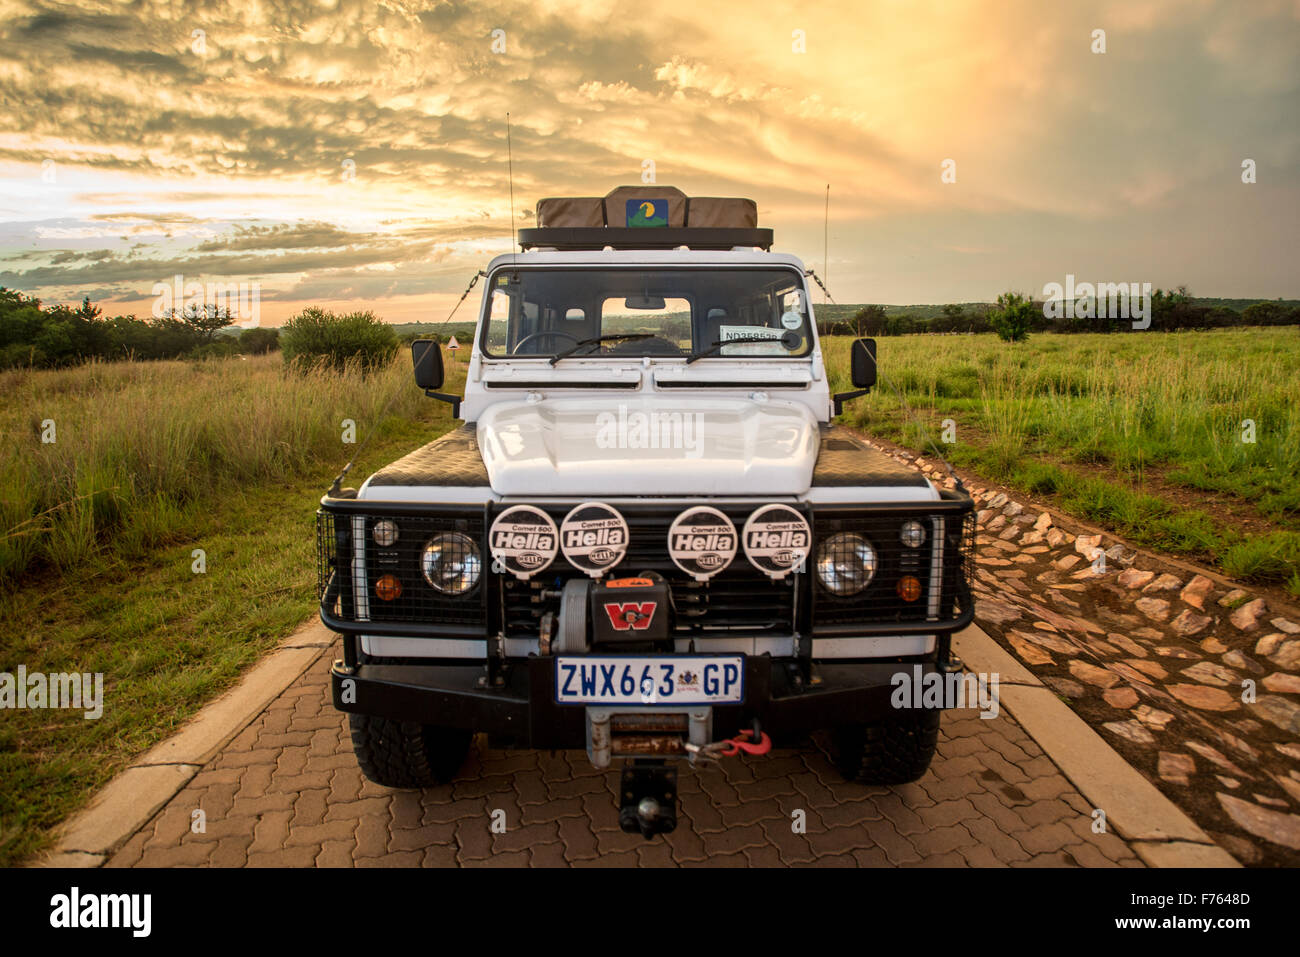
<point x="790" y="342"/>
<point x="596" y="340"/>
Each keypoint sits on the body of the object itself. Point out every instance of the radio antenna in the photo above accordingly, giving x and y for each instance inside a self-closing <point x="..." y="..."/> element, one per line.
<point x="826" y="228"/>
<point x="510" y="166"/>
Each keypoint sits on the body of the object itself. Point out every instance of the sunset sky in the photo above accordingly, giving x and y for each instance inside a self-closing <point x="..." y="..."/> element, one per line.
<point x="354" y="153"/>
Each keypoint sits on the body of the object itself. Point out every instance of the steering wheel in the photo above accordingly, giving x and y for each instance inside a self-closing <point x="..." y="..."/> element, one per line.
<point x="538" y="335"/>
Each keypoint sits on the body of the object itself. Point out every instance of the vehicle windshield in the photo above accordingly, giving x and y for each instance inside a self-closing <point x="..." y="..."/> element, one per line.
<point x="634" y="312"/>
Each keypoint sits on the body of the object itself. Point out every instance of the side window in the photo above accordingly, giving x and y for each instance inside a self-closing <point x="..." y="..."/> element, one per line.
<point x="498" y="321"/>
<point x="575" y="315"/>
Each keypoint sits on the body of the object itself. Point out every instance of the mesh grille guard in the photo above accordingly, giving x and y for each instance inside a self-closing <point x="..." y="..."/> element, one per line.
<point x="943" y="564"/>
<point x="743" y="600"/>
<point x="349" y="564"/>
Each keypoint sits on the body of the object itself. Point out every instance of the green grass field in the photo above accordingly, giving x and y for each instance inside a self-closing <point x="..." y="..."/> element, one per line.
<point x="154" y="460"/>
<point x="1146" y="434"/>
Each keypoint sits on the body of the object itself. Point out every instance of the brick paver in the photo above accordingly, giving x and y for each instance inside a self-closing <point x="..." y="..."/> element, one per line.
<point x="287" y="792"/>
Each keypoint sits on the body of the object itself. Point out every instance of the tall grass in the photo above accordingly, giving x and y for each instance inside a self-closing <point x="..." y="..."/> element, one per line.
<point x="152" y="460"/>
<point x="139" y="448"/>
<point x="1184" y="405"/>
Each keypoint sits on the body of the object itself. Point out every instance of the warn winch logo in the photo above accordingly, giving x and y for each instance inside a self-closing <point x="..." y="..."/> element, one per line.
<point x="631" y="615"/>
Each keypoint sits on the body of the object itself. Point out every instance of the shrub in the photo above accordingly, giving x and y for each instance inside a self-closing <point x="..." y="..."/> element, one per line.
<point x="317" y="336"/>
<point x="222" y="348"/>
<point x="257" y="341"/>
<point x="1266" y="314"/>
<point x="1012" y="317"/>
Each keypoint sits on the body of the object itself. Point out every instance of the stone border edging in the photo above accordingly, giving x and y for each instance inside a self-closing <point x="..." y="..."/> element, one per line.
<point x="1157" y="830"/>
<point x="130" y="800"/>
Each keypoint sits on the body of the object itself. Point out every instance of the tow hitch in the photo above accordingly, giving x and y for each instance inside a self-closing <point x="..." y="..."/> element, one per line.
<point x="648" y="798"/>
<point x="648" y="787"/>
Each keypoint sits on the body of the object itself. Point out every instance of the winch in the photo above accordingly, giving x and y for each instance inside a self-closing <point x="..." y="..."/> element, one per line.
<point x="630" y="612"/>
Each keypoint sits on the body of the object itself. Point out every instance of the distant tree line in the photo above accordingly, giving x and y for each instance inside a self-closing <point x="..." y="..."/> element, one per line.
<point x="1170" y="311"/>
<point x="47" y="336"/>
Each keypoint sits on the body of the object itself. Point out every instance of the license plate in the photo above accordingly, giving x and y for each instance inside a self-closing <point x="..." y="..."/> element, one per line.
<point x="635" y="680"/>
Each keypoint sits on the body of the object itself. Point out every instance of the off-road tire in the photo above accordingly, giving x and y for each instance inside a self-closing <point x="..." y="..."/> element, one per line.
<point x="403" y="754"/>
<point x="896" y="750"/>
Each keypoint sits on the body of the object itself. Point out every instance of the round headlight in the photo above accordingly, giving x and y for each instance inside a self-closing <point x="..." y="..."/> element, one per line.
<point x="846" y="563"/>
<point x="385" y="533"/>
<point x="451" y="563"/>
<point x="913" y="534"/>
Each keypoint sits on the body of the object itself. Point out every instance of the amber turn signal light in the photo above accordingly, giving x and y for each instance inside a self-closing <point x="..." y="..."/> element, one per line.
<point x="909" y="588"/>
<point x="388" y="588"/>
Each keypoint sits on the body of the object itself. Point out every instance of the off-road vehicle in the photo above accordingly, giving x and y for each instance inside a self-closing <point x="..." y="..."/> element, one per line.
<point x="647" y="539"/>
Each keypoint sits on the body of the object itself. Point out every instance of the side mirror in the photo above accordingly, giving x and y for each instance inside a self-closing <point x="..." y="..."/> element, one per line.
<point x="863" y="371"/>
<point x="426" y="356"/>
<point x="427" y="359"/>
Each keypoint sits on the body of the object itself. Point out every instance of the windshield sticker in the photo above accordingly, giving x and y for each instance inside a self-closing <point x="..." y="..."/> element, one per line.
<point x="740" y="341"/>
<point x="702" y="542"/>
<point x="792" y="320"/>
<point x="732" y="333"/>
<point x="593" y="538"/>
<point x="523" y="540"/>
<point x="777" y="540"/>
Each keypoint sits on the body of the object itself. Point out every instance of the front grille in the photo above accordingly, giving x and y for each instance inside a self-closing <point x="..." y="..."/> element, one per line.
<point x="350" y="565"/>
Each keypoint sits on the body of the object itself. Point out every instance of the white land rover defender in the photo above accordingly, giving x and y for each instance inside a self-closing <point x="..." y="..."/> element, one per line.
<point x="647" y="538"/>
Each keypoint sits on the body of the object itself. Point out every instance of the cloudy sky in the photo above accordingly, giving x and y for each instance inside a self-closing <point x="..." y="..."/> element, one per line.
<point x="354" y="153"/>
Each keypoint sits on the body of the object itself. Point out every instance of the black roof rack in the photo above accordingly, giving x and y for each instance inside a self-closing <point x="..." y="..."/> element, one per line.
<point x="661" y="237"/>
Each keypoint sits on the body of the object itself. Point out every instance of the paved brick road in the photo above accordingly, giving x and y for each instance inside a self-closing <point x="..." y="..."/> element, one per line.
<point x="287" y="792"/>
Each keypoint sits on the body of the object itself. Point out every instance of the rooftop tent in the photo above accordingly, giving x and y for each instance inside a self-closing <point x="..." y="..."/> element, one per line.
<point x="707" y="212"/>
<point x="620" y="206"/>
<point x="564" y="211"/>
<point x="646" y="217"/>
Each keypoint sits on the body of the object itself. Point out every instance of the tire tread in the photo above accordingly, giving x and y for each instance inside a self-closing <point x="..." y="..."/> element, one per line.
<point x="405" y="754"/>
<point x="896" y="750"/>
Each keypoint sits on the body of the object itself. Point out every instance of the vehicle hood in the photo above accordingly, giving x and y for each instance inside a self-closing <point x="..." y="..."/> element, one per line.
<point x="649" y="445"/>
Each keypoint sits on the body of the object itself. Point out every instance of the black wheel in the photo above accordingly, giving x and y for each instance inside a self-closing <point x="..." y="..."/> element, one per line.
<point x="895" y="750"/>
<point x="403" y="754"/>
